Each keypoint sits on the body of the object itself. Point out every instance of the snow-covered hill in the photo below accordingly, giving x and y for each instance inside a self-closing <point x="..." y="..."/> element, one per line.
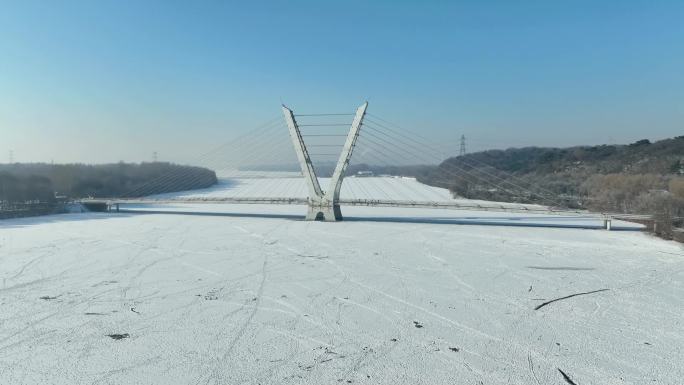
<point x="392" y="296"/>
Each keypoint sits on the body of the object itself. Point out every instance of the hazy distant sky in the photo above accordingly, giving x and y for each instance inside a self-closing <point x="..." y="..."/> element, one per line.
<point x="102" y="81"/>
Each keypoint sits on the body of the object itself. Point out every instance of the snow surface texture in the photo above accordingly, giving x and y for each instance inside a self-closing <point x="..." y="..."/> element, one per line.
<point x="216" y="299"/>
<point x="390" y="188"/>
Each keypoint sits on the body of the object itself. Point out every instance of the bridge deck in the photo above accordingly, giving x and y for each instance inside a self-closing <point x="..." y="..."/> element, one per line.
<point x="499" y="207"/>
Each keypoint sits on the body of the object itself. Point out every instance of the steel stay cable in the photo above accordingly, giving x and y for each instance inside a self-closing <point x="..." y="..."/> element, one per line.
<point x="219" y="148"/>
<point x="487" y="173"/>
<point x="165" y="176"/>
<point x="180" y="176"/>
<point x="360" y="185"/>
<point x="388" y="164"/>
<point x="518" y="206"/>
<point x="255" y="173"/>
<point x="175" y="178"/>
<point x="554" y="202"/>
<point x="449" y="171"/>
<point x="273" y="142"/>
<point x="445" y="157"/>
<point x="255" y="142"/>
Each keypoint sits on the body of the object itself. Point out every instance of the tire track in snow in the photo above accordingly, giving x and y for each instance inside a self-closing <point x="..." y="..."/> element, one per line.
<point x="218" y="374"/>
<point x="426" y="311"/>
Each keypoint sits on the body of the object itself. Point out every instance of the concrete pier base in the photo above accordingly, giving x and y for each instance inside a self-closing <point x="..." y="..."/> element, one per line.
<point x="327" y="213"/>
<point x="607" y="224"/>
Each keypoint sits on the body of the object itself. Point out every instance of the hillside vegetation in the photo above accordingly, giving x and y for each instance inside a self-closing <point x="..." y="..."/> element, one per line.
<point x="642" y="177"/>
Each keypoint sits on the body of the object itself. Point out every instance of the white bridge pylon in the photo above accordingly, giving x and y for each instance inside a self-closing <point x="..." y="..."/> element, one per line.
<point x="324" y="205"/>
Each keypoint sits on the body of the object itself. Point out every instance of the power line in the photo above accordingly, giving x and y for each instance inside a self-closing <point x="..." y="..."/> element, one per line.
<point x="432" y="149"/>
<point x="444" y="166"/>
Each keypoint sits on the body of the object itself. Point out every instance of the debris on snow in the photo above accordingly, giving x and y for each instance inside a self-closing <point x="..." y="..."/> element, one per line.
<point x="567" y="378"/>
<point x="118" y="336"/>
<point x="569" y="296"/>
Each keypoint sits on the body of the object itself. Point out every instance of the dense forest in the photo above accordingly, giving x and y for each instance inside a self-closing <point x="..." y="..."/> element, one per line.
<point x="40" y="182"/>
<point x="571" y="174"/>
<point x="642" y="177"/>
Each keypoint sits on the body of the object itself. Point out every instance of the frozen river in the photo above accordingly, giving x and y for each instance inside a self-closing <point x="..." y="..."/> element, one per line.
<point x="393" y="296"/>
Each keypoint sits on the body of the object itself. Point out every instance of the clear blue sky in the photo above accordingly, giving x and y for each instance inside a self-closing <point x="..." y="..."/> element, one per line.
<point x="100" y="81"/>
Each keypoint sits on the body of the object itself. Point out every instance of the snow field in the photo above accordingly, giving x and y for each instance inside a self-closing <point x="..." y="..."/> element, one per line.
<point x="202" y="299"/>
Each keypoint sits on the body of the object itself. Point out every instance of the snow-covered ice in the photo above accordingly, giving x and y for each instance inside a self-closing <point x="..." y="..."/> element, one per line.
<point x="393" y="296"/>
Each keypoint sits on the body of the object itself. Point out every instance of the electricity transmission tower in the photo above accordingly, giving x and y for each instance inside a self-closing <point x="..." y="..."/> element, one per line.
<point x="463" y="147"/>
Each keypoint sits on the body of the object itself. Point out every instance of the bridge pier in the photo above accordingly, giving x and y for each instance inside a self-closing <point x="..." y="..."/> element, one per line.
<point x="112" y="207"/>
<point x="607" y="223"/>
<point x="324" y="212"/>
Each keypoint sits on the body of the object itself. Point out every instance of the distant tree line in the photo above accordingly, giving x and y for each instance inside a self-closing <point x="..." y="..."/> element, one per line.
<point x="40" y="182"/>
<point x="24" y="188"/>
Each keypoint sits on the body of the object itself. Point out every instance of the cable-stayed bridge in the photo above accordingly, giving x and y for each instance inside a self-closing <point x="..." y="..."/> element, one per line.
<point x="329" y="144"/>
